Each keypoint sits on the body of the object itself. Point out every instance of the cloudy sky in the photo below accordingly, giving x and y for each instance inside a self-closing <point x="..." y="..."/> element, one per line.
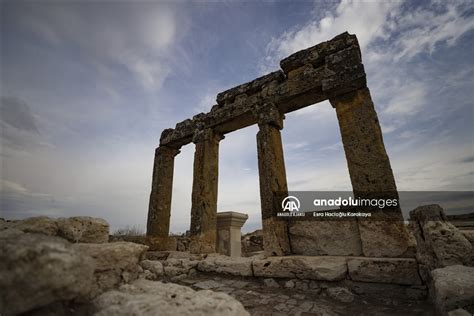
<point x="88" y="86"/>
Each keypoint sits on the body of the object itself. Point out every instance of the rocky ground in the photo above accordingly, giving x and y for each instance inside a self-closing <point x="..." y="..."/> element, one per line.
<point x="268" y="297"/>
<point x="68" y="266"/>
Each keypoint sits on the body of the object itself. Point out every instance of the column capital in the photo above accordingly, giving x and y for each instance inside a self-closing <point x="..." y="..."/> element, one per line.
<point x="206" y="134"/>
<point x="231" y="219"/>
<point x="349" y="97"/>
<point x="167" y="151"/>
<point x="268" y="113"/>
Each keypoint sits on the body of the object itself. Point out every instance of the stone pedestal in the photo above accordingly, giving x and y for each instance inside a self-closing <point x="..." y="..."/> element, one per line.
<point x="204" y="196"/>
<point x="273" y="186"/>
<point x="370" y="173"/>
<point x="158" y="223"/>
<point x="229" y="225"/>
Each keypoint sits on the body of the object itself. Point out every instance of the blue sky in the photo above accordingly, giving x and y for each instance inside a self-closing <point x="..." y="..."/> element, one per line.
<point x="88" y="86"/>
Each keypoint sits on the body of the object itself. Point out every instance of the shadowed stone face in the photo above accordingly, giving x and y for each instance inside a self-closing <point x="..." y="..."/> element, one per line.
<point x="331" y="70"/>
<point x="271" y="168"/>
<point x="370" y="172"/>
<point x="204" y="196"/>
<point x="160" y="198"/>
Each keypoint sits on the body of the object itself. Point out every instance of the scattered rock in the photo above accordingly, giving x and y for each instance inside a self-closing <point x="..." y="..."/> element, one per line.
<point x="147" y="275"/>
<point x="340" y="294"/>
<point x="252" y="243"/>
<point x="240" y="284"/>
<point x="459" y="312"/>
<point x="154" y="266"/>
<point x="227" y="265"/>
<point x="301" y="285"/>
<point x="207" y="285"/>
<point x="37" y="270"/>
<point x="290" y="284"/>
<point x="173" y="267"/>
<point x="271" y="283"/>
<point x="144" y="297"/>
<point x="84" y="229"/>
<point x="453" y="288"/>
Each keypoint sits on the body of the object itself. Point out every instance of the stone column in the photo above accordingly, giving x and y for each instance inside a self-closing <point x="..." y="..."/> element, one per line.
<point x="204" y="196"/>
<point x="272" y="174"/>
<point x="229" y="235"/>
<point x="159" y="210"/>
<point x="371" y="175"/>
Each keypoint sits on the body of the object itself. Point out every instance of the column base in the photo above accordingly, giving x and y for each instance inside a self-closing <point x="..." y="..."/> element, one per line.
<point x="161" y="243"/>
<point x="204" y="243"/>
<point x="275" y="237"/>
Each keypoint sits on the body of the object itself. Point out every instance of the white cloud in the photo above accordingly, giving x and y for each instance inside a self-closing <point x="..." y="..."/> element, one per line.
<point x="141" y="37"/>
<point x="207" y="101"/>
<point x="367" y="20"/>
<point x="424" y="28"/>
<point x="407" y="99"/>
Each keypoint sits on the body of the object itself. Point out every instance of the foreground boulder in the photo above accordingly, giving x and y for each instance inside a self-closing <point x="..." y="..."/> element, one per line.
<point x="439" y="243"/>
<point x="84" y="229"/>
<point x="39" y="225"/>
<point x="144" y="297"/>
<point x="453" y="288"/>
<point x="115" y="263"/>
<point x="37" y="270"/>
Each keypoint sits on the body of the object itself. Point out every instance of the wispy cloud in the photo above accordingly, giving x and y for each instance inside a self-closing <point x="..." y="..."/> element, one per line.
<point x="140" y="37"/>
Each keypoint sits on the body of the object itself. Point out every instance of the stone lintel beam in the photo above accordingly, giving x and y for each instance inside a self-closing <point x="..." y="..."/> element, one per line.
<point x="249" y="88"/>
<point x="204" y="194"/>
<point x="158" y="222"/>
<point x="310" y="76"/>
<point x="316" y="55"/>
<point x="384" y="235"/>
<point x="272" y="176"/>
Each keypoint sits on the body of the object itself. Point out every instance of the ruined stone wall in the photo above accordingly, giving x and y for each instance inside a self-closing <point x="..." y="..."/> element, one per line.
<point x="331" y="70"/>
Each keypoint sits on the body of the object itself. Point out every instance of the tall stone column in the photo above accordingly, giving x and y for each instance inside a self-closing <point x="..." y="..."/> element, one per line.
<point x="159" y="210"/>
<point x="204" y="196"/>
<point x="384" y="235"/>
<point x="272" y="174"/>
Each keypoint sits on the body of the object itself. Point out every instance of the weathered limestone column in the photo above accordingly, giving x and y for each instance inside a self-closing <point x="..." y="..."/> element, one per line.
<point x="229" y="235"/>
<point x="204" y="196"/>
<point x="159" y="210"/>
<point x="370" y="173"/>
<point x="273" y="186"/>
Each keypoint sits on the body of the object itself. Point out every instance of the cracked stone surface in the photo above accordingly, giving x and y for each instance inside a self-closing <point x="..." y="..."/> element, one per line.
<point x="323" y="299"/>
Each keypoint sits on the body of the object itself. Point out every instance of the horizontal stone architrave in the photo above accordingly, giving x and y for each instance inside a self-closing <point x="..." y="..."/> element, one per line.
<point x="308" y="77"/>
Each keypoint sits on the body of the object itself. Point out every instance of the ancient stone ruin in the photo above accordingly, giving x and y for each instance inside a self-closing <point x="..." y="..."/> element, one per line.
<point x="74" y="266"/>
<point x="332" y="71"/>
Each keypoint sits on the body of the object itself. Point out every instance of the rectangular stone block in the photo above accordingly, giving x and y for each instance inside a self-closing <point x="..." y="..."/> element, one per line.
<point x="384" y="270"/>
<point x="226" y="265"/>
<point x="319" y="238"/>
<point x="324" y="268"/>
